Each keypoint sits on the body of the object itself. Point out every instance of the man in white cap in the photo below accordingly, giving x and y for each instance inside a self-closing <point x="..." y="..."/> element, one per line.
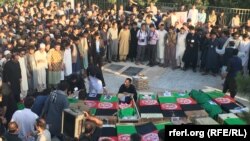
<point x="42" y="64"/>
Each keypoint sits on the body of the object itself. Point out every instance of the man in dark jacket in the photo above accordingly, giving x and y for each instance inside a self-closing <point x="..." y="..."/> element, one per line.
<point x="97" y="50"/>
<point x="54" y="106"/>
<point x="212" y="58"/>
<point x="133" y="42"/>
<point x="233" y="68"/>
<point x="191" y="53"/>
<point x="127" y="87"/>
<point x="12" y="76"/>
<point x="75" y="81"/>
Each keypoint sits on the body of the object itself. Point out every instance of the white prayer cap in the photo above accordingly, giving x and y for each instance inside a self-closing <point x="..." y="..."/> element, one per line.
<point x="6" y="52"/>
<point x="42" y="46"/>
<point x="52" y="36"/>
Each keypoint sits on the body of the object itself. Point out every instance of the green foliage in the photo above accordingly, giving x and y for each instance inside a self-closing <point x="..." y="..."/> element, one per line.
<point x="112" y="1"/>
<point x="218" y="3"/>
<point x="243" y="84"/>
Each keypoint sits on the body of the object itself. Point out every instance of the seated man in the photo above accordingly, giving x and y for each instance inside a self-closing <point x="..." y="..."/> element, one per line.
<point x="75" y="82"/>
<point x="127" y="87"/>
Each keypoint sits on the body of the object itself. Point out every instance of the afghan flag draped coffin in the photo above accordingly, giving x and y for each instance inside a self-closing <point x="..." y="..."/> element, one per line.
<point x="109" y="132"/>
<point x="103" y="106"/>
<point x="207" y="103"/>
<point x="149" y="107"/>
<point x="227" y="103"/>
<point x="169" y="106"/>
<point x="124" y="131"/>
<point x="148" y="131"/>
<point x="175" y="104"/>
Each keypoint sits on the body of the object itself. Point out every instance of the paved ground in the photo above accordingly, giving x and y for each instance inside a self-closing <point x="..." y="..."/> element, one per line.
<point x="161" y="79"/>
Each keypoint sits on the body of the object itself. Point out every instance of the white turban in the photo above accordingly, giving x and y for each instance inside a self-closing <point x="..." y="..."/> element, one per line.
<point x="42" y="46"/>
<point x="6" y="52"/>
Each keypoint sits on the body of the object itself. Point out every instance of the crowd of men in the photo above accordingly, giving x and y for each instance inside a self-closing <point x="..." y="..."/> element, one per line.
<point x="43" y="43"/>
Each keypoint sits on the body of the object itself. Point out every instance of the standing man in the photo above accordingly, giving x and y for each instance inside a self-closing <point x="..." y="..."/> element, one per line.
<point x="153" y="38"/>
<point x="161" y="43"/>
<point x="98" y="50"/>
<point x="142" y="43"/>
<point x="170" y="50"/>
<point x="54" y="106"/>
<point x="84" y="47"/>
<point x="42" y="64"/>
<point x="67" y="59"/>
<point x="124" y="38"/>
<point x="104" y="37"/>
<point x="193" y="15"/>
<point x="212" y="57"/>
<point x="233" y="68"/>
<point x="221" y="19"/>
<point x="244" y="50"/>
<point x="24" y="82"/>
<point x="12" y="76"/>
<point x="190" y="57"/>
<point x="180" y="47"/>
<point x="113" y="42"/>
<point x="133" y="42"/>
<point x="55" y="65"/>
<point x="26" y="120"/>
<point x="31" y="69"/>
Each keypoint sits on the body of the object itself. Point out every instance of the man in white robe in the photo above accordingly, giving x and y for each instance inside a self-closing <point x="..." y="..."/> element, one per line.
<point x="180" y="47"/>
<point x="244" y="50"/>
<point x="161" y="43"/>
<point x="193" y="15"/>
<point x="24" y="82"/>
<point x="67" y="60"/>
<point x="42" y="64"/>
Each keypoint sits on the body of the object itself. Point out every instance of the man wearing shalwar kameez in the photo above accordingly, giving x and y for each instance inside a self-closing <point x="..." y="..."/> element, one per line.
<point x="24" y="81"/>
<point x="212" y="57"/>
<point x="180" y="47"/>
<point x="31" y="69"/>
<point x="67" y="60"/>
<point x="76" y="57"/>
<point x="42" y="64"/>
<point x="83" y="48"/>
<point x="55" y="64"/>
<point x="113" y="42"/>
<point x="190" y="56"/>
<point x="161" y="44"/>
<point x="124" y="37"/>
<point x="170" y="50"/>
<point x="244" y="49"/>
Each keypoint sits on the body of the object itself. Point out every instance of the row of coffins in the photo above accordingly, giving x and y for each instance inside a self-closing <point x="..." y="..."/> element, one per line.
<point x="178" y="107"/>
<point x="122" y="132"/>
<point x="195" y="107"/>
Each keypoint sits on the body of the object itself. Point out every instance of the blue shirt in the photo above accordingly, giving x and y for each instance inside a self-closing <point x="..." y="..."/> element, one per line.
<point x="234" y="66"/>
<point x="39" y="103"/>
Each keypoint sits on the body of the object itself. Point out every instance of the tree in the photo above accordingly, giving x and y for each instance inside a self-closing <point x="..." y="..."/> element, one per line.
<point x="112" y="1"/>
<point x="243" y="85"/>
<point x="244" y="89"/>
